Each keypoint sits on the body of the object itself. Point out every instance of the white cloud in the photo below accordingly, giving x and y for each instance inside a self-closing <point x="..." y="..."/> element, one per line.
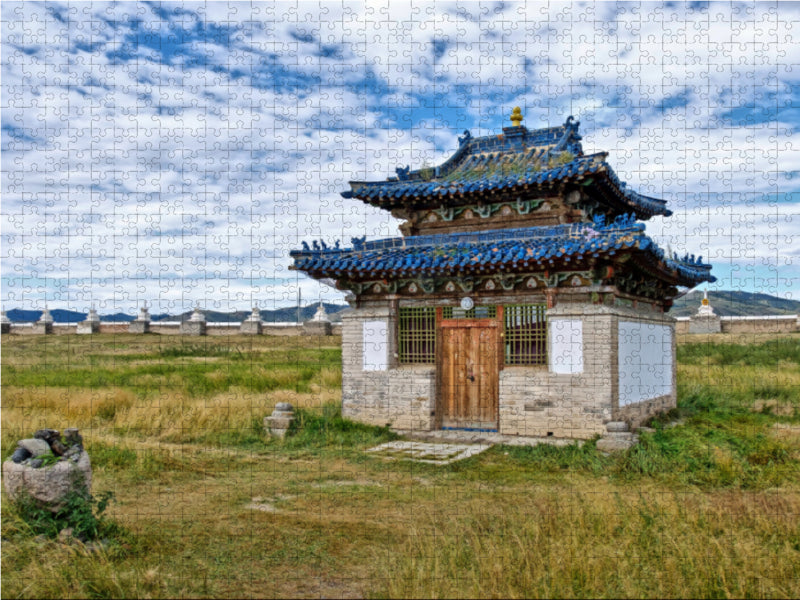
<point x="205" y="166"/>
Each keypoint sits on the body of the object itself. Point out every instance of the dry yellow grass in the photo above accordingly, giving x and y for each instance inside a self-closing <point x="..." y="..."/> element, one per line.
<point x="169" y="417"/>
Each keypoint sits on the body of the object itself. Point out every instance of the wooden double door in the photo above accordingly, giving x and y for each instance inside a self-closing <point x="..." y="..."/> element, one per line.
<point x="469" y="364"/>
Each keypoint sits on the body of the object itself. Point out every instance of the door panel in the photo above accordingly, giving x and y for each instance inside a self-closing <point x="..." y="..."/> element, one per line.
<point x="469" y="374"/>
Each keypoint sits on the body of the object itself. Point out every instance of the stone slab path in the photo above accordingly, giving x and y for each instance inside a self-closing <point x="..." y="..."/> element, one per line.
<point x="434" y="454"/>
<point x="482" y="437"/>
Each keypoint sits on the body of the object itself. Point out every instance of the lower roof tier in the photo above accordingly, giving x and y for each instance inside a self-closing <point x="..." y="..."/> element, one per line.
<point x="531" y="249"/>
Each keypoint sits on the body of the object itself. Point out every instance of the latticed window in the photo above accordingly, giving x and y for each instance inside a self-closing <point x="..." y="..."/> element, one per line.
<point x="476" y="312"/>
<point x="416" y="335"/>
<point x="525" y="334"/>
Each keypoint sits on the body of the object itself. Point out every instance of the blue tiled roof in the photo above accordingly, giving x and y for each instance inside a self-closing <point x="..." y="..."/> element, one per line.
<point x="517" y="158"/>
<point x="461" y="253"/>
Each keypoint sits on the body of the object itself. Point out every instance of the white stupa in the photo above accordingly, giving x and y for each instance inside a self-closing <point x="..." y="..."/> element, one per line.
<point x="197" y="315"/>
<point x="704" y="320"/>
<point x="144" y="314"/>
<point x="255" y="315"/>
<point x="705" y="309"/>
<point x="91" y="324"/>
<point x="46" y="316"/>
<point x="320" y="316"/>
<point x="141" y="324"/>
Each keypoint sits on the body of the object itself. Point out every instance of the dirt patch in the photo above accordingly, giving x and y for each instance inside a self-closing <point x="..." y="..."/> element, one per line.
<point x="781" y="409"/>
<point x="346" y="483"/>
<point x="267" y="504"/>
<point x="785" y="431"/>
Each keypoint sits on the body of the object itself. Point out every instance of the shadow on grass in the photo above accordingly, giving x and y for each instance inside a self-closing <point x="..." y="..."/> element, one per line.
<point x="328" y="429"/>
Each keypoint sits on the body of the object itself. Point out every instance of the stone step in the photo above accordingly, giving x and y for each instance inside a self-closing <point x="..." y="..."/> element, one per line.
<point x="617" y="426"/>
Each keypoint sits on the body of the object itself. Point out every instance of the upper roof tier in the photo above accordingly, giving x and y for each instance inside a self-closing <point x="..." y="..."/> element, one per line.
<point x="517" y="162"/>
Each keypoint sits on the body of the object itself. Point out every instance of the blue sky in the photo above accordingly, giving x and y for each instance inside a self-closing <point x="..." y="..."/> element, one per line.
<point x="175" y="152"/>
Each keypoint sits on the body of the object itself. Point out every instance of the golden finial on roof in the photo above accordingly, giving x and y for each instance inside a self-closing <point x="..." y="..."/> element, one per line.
<point x="516" y="116"/>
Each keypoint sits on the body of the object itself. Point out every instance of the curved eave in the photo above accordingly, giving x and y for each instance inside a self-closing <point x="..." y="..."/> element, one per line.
<point x="452" y="257"/>
<point x="587" y="171"/>
<point x="685" y="274"/>
<point x="462" y="259"/>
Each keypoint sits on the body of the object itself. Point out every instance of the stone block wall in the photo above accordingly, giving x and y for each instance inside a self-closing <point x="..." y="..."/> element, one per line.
<point x="535" y="401"/>
<point x="749" y="325"/>
<point x="573" y="396"/>
<point x="787" y="324"/>
<point x="383" y="394"/>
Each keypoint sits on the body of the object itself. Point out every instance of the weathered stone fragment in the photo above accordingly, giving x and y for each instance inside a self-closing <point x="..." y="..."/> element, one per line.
<point x="20" y="454"/>
<point x="58" y="448"/>
<point x="73" y="451"/>
<point x="37" y="447"/>
<point x="72" y="437"/>
<point x="280" y="420"/>
<point x="48" y="486"/>
<point x="47" y="435"/>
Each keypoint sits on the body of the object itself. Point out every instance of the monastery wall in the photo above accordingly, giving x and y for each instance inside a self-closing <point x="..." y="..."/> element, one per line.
<point x="170" y="328"/>
<point x="756" y="324"/>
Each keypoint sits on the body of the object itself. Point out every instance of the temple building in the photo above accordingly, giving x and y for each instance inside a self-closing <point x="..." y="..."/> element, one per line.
<point x="523" y="297"/>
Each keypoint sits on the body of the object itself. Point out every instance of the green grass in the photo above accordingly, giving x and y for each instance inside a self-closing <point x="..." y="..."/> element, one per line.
<point x="207" y="505"/>
<point x="765" y="354"/>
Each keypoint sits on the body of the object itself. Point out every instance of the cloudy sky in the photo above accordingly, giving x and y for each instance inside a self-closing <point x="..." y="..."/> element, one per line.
<point x="176" y="152"/>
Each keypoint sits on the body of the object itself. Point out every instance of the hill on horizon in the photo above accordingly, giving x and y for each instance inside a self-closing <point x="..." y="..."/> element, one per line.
<point x="726" y="303"/>
<point x="278" y="315"/>
<point x="729" y="303"/>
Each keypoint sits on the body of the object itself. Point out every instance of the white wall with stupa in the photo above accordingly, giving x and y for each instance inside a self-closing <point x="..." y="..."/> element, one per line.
<point x="705" y="320"/>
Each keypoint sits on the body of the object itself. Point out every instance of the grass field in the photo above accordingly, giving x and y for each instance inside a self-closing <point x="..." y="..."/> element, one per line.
<point x="207" y="506"/>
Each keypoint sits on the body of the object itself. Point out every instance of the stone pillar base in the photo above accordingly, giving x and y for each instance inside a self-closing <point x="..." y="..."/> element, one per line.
<point x="278" y="423"/>
<point x="250" y="328"/>
<point x="88" y="327"/>
<point x="139" y="327"/>
<point x="618" y="437"/>
<point x="709" y="324"/>
<point x="193" y="328"/>
<point x="317" y="328"/>
<point x="42" y="328"/>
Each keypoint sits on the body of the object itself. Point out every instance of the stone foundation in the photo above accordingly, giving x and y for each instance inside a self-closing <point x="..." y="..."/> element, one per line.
<point x="705" y="324"/>
<point x="317" y="328"/>
<point x="193" y="328"/>
<point x="42" y="328"/>
<point x="250" y="328"/>
<point x="88" y="327"/>
<point x="139" y="327"/>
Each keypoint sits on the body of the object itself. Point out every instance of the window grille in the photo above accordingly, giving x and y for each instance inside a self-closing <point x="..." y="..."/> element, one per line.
<point x="476" y="312"/>
<point x="525" y="329"/>
<point x="416" y="337"/>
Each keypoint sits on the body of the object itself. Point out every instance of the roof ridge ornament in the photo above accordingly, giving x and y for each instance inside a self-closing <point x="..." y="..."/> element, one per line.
<point x="516" y="117"/>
